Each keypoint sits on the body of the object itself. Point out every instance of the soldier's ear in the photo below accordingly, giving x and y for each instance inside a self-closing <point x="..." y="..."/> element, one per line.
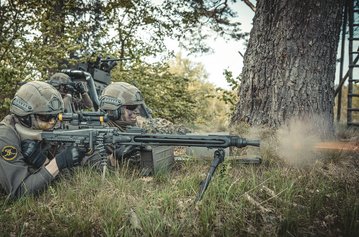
<point x="25" y="120"/>
<point x="117" y="114"/>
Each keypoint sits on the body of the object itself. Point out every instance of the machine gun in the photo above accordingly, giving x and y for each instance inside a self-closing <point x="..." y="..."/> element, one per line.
<point x="92" y="139"/>
<point x="100" y="70"/>
<point x="96" y="75"/>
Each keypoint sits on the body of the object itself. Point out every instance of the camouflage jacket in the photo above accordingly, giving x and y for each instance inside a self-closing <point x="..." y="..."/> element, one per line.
<point x="159" y="125"/>
<point x="16" y="176"/>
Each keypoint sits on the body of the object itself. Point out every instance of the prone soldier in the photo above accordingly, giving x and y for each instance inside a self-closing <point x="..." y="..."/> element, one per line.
<point x="126" y="109"/>
<point x="27" y="166"/>
<point x="123" y="103"/>
<point x="125" y="106"/>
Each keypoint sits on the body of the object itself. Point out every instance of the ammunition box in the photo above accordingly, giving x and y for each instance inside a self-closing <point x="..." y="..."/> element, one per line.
<point x="158" y="159"/>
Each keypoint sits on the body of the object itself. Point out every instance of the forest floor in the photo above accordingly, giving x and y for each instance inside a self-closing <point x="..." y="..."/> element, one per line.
<point x="278" y="197"/>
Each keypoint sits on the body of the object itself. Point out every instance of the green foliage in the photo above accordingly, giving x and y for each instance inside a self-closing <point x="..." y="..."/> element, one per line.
<point x="9" y="78"/>
<point x="165" y="93"/>
<point x="37" y="38"/>
<point x="211" y="111"/>
<point x="230" y="97"/>
<point x="179" y="92"/>
<point x="198" y="19"/>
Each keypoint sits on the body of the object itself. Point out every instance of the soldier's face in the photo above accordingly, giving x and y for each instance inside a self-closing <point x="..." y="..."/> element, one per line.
<point x="129" y="113"/>
<point x="45" y="122"/>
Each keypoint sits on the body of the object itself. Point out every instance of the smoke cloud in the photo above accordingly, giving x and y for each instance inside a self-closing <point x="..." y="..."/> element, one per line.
<point x="296" y="140"/>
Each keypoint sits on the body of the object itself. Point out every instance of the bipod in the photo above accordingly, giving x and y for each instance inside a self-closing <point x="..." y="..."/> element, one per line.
<point x="217" y="159"/>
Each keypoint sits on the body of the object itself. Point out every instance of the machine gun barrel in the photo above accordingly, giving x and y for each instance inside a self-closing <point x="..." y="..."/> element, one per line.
<point x="210" y="141"/>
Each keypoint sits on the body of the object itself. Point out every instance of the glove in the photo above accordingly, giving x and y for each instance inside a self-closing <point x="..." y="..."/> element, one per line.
<point x="31" y="150"/>
<point x="69" y="158"/>
<point x="80" y="87"/>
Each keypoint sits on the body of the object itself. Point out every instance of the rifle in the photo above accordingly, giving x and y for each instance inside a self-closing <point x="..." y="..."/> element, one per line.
<point x="91" y="139"/>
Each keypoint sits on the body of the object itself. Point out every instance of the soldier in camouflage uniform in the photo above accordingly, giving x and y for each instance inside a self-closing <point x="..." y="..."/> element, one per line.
<point x="74" y="95"/>
<point x="123" y="103"/>
<point x="125" y="106"/>
<point x="26" y="166"/>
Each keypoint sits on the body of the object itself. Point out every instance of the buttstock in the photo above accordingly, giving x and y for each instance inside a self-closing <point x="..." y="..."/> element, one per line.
<point x="27" y="133"/>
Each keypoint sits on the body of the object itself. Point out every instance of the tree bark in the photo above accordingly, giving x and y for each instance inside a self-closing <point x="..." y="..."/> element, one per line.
<point x="289" y="65"/>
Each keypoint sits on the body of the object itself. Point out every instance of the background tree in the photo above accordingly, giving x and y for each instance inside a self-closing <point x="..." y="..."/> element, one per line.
<point x="178" y="91"/>
<point x="165" y="93"/>
<point x="15" y="23"/>
<point x="41" y="37"/>
<point x="230" y="97"/>
<point x="197" y="20"/>
<point x="289" y="66"/>
<point x="212" y="105"/>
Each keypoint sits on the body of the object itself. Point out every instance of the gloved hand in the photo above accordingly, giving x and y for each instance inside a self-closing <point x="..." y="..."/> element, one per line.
<point x="31" y="150"/>
<point x="69" y="158"/>
<point x="80" y="87"/>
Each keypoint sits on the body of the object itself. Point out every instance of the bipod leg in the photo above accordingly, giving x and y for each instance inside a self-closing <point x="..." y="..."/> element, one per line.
<point x="217" y="159"/>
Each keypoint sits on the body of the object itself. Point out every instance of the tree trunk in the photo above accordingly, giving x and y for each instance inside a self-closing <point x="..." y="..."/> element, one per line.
<point x="289" y="66"/>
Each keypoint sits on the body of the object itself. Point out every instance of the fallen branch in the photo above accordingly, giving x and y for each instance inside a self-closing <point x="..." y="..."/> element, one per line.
<point x="273" y="195"/>
<point x="255" y="203"/>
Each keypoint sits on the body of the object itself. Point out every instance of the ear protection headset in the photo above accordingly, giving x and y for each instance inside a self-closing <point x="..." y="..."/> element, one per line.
<point x="114" y="114"/>
<point x="111" y="106"/>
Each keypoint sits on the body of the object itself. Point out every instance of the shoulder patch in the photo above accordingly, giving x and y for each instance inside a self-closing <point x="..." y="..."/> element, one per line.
<point x="8" y="152"/>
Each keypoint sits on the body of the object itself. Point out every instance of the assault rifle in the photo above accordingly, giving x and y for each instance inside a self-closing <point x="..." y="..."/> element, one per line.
<point x="91" y="139"/>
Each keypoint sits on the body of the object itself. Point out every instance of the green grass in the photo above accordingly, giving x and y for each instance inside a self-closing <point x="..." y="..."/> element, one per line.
<point x="319" y="199"/>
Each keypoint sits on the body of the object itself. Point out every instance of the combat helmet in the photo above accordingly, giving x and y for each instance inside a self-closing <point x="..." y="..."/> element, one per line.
<point x="37" y="97"/>
<point x="59" y="78"/>
<point x="118" y="94"/>
<point x="62" y="82"/>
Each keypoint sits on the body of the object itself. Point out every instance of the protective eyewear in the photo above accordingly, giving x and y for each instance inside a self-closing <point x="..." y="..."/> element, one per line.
<point x="47" y="117"/>
<point x="131" y="107"/>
